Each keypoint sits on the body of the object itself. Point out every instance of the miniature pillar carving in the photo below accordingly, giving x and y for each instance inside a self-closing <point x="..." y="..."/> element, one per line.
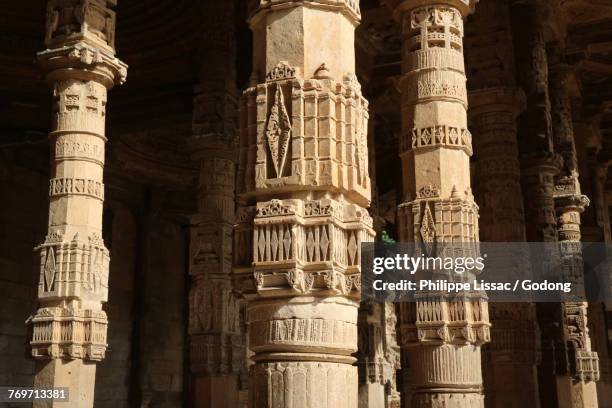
<point x="69" y="328"/>
<point x="303" y="189"/>
<point x="435" y="149"/>
<point x="576" y="388"/>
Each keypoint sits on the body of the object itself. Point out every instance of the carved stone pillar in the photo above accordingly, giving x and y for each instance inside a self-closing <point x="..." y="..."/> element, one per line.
<point x="539" y="167"/>
<point x="69" y="327"/>
<point x="510" y="360"/>
<point x="303" y="189"/>
<point x="575" y="388"/>
<point x="435" y="148"/>
<point x="512" y="356"/>
<point x="216" y="344"/>
<point x="378" y="356"/>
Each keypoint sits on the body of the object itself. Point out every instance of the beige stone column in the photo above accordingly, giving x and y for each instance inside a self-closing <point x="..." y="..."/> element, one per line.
<point x="69" y="328"/>
<point x="575" y="388"/>
<point x="303" y="188"/>
<point x="216" y="345"/>
<point x="443" y="347"/>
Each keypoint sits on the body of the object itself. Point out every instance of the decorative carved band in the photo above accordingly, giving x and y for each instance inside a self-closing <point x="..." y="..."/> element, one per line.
<point x="76" y="186"/>
<point x="350" y="7"/>
<point x="437" y="320"/>
<point x="439" y="136"/>
<point x="78" y="147"/>
<point x="439" y="58"/>
<point x="299" y="333"/>
<point x="69" y="333"/>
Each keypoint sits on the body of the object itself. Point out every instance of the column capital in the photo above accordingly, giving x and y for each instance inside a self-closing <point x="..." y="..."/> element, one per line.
<point x="541" y="163"/>
<point x="83" y="62"/>
<point x="350" y="8"/>
<point x="399" y="7"/>
<point x="498" y="98"/>
<point x="74" y="21"/>
<point x="80" y="40"/>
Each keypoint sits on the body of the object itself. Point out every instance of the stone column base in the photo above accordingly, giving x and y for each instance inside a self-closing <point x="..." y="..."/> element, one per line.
<point x="77" y="375"/>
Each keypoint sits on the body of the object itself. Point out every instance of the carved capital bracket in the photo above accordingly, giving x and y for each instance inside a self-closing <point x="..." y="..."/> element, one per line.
<point x="83" y="62"/>
<point x="307" y="248"/>
<point x="437" y="320"/>
<point x="68" y="333"/>
<point x="72" y="21"/>
<point x="504" y="99"/>
<point x="400" y="7"/>
<point x="350" y="8"/>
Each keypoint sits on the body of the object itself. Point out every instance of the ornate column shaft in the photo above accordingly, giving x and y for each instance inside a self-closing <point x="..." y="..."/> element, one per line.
<point x="443" y="352"/>
<point x="216" y="338"/>
<point x="576" y="388"/>
<point x="510" y="360"/>
<point x="539" y="166"/>
<point x="303" y="188"/>
<point x="513" y="354"/>
<point x="69" y="327"/>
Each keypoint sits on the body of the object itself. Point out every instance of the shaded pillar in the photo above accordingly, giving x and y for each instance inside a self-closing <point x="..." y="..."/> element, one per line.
<point x="512" y="356"/>
<point x="69" y="328"/>
<point x="576" y="387"/>
<point x="443" y="349"/>
<point x="216" y="337"/>
<point x="510" y="360"/>
<point x="539" y="167"/>
<point x="303" y="187"/>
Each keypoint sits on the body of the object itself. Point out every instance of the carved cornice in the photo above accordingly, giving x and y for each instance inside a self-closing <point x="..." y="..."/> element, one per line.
<point x="496" y="99"/>
<point x="399" y="7"/>
<point x="84" y="62"/>
<point x="350" y="8"/>
<point x="541" y="163"/>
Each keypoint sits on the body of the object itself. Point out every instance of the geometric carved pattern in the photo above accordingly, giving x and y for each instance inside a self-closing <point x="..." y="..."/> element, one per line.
<point x="75" y="268"/>
<point x="440" y="135"/>
<point x="330" y="154"/>
<point x="323" y="236"/>
<point x="69" y="333"/>
<point x="278" y="131"/>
